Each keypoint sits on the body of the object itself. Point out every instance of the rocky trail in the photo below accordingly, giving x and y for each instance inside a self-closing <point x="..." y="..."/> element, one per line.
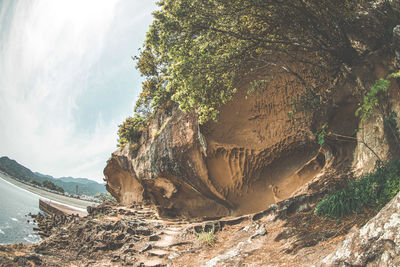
<point x="285" y="234"/>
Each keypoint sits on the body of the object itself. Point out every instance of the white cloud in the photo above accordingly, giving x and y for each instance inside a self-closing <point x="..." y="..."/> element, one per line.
<point x="48" y="49"/>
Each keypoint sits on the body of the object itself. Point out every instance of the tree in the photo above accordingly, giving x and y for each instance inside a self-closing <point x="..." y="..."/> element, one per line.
<point x="34" y="182"/>
<point x="196" y="51"/>
<point x="50" y="185"/>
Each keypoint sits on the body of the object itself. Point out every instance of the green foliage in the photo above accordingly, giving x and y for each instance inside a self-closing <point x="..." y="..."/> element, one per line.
<point x="196" y="52"/>
<point x="375" y="95"/>
<point x="50" y="185"/>
<point x="131" y="130"/>
<point x="379" y="187"/>
<point x="372" y="190"/>
<point x="321" y="134"/>
<point x="371" y="100"/>
<point x="35" y="183"/>
<point x="394" y="75"/>
<point x="206" y="238"/>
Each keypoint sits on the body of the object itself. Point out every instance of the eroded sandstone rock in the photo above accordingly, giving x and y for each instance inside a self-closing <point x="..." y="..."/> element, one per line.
<point x="169" y="169"/>
<point x="256" y="154"/>
<point x="253" y="157"/>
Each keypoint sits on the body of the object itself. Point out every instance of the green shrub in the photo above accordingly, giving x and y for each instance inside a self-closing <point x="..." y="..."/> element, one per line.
<point x="375" y="95"/>
<point x="131" y="130"/>
<point x="50" y="185"/>
<point x="35" y="182"/>
<point x="374" y="189"/>
<point x="206" y="238"/>
<point x="371" y="190"/>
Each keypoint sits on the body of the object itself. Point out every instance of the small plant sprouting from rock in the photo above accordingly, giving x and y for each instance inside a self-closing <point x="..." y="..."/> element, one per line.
<point x="375" y="97"/>
<point x="321" y="134"/>
<point x="371" y="190"/>
<point x="378" y="99"/>
<point x="206" y="237"/>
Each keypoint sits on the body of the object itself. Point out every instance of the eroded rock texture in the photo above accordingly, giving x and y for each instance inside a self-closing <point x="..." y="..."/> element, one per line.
<point x="169" y="169"/>
<point x="254" y="156"/>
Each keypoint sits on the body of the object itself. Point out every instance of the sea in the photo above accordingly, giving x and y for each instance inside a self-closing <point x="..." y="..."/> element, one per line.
<point x="15" y="205"/>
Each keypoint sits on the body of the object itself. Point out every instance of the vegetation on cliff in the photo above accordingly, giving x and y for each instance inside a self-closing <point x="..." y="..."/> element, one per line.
<point x="372" y="190"/>
<point x="377" y="188"/>
<point x="195" y="53"/>
<point x="130" y="130"/>
<point x="377" y="99"/>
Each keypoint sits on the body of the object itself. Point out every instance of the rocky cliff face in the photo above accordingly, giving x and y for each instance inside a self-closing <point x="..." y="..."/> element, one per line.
<point x="256" y="154"/>
<point x="169" y="169"/>
<point x="253" y="157"/>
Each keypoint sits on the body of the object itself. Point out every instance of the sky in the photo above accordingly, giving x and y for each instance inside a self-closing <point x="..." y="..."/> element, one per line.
<point x="67" y="80"/>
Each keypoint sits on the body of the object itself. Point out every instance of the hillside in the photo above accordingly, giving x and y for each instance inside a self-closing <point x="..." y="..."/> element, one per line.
<point x="69" y="184"/>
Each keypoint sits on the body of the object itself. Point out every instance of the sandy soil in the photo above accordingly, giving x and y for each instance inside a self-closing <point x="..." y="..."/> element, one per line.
<point x="73" y="202"/>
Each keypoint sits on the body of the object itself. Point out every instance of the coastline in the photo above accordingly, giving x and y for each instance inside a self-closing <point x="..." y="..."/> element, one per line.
<point x="75" y="203"/>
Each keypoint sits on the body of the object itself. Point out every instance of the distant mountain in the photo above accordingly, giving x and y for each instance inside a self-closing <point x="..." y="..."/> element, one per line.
<point x="77" y="180"/>
<point x="69" y="184"/>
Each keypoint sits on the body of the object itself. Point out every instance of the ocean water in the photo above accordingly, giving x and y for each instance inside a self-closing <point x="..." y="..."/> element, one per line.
<point x="15" y="204"/>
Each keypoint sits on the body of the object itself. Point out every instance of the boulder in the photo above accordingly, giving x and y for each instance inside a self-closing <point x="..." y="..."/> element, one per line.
<point x="377" y="243"/>
<point x="168" y="169"/>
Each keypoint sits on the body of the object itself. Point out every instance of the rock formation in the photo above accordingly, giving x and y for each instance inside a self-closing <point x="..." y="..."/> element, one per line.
<point x="252" y="157"/>
<point x="256" y="154"/>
